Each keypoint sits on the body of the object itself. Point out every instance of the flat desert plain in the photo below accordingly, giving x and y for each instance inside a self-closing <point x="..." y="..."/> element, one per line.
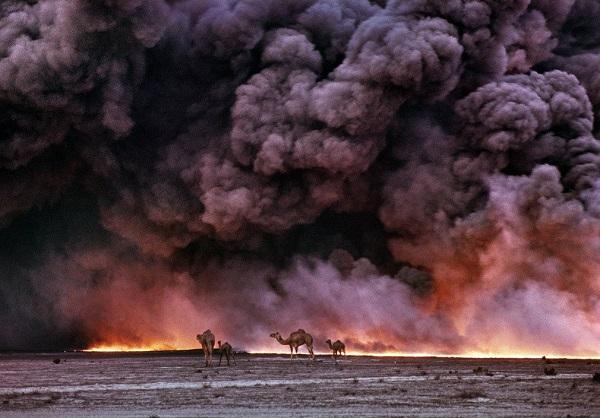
<point x="177" y="385"/>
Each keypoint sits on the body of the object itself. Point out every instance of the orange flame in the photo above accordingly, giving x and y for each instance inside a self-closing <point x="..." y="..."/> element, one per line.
<point x="169" y="317"/>
<point x="507" y="352"/>
<point x="504" y="352"/>
<point x="114" y="348"/>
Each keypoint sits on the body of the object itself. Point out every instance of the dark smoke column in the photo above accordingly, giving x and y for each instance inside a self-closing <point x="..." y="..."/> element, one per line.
<point x="411" y="175"/>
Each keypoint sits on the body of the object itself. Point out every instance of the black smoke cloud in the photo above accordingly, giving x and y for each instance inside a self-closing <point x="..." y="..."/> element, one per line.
<point x="409" y="175"/>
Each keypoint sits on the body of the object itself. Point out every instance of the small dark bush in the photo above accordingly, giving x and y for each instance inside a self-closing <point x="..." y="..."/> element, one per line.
<point x="471" y="394"/>
<point x="549" y="371"/>
<point x="596" y="378"/>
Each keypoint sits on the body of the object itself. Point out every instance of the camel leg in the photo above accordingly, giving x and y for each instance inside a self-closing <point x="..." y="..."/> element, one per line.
<point x="233" y="357"/>
<point x="291" y="352"/>
<point x="227" y="357"/>
<point x="310" y="350"/>
<point x="220" y="357"/>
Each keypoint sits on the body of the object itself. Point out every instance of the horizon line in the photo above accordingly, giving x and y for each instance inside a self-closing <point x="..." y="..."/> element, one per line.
<point x="320" y="353"/>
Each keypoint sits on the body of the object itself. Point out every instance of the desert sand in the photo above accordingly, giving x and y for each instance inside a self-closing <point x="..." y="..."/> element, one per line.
<point x="177" y="385"/>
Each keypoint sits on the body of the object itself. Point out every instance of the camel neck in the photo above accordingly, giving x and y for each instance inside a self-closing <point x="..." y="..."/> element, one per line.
<point x="282" y="341"/>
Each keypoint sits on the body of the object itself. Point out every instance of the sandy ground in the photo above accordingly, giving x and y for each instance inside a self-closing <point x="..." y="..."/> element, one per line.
<point x="153" y="385"/>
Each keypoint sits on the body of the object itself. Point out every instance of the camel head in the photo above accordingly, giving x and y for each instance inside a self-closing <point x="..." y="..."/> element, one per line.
<point x="219" y="343"/>
<point x="328" y="342"/>
<point x="199" y="337"/>
<point x="275" y="335"/>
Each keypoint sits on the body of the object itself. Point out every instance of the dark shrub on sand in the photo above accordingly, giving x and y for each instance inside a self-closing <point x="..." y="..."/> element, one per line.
<point x="470" y="394"/>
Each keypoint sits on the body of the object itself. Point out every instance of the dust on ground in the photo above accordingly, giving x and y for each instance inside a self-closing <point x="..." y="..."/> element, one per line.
<point x="165" y="385"/>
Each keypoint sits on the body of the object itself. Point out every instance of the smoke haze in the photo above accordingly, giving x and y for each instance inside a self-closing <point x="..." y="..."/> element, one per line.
<point x="418" y="176"/>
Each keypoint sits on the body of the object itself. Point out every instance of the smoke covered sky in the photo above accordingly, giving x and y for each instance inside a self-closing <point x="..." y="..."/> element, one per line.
<point x="409" y="175"/>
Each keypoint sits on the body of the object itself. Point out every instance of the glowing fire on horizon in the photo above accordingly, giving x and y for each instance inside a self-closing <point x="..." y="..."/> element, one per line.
<point x="467" y="354"/>
<point x="501" y="353"/>
<point x="115" y="348"/>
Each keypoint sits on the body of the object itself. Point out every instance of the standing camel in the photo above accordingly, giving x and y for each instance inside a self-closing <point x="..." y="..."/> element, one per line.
<point x="207" y="341"/>
<point x="227" y="350"/>
<point x="295" y="340"/>
<point x="338" y="348"/>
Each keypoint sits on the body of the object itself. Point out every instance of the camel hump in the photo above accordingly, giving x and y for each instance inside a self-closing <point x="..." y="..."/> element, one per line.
<point x="301" y="330"/>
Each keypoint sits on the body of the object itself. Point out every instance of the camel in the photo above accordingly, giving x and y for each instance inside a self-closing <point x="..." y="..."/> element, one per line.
<point x="295" y="340"/>
<point x="207" y="341"/>
<point x="338" y="348"/>
<point x="227" y="350"/>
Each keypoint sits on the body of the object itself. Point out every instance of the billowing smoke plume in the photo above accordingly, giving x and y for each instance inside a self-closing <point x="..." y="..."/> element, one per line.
<point x="406" y="175"/>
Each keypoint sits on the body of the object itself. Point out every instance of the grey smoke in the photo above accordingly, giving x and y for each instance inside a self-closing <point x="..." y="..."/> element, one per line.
<point x="403" y="174"/>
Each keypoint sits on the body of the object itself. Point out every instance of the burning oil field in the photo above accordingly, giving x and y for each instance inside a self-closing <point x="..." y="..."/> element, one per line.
<point x="410" y="176"/>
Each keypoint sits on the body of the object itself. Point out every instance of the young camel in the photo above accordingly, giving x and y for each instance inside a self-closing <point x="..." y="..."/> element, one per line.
<point x="295" y="340"/>
<point x="338" y="348"/>
<point x="227" y="350"/>
<point x="207" y="341"/>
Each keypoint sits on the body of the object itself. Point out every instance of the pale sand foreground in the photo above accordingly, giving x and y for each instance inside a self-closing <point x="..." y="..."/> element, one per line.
<point x="163" y="385"/>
